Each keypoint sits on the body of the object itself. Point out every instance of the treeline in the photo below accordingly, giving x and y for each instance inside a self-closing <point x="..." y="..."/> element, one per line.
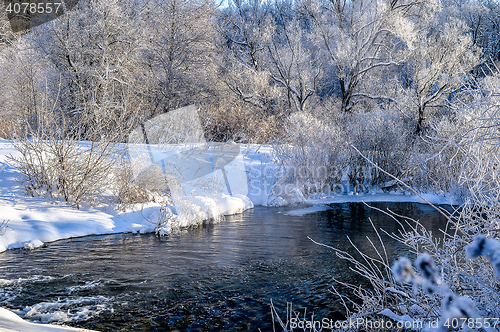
<point x="248" y="66"/>
<point x="403" y="81"/>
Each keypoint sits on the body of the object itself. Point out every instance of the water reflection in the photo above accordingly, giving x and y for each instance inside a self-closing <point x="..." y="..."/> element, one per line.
<point x="212" y="278"/>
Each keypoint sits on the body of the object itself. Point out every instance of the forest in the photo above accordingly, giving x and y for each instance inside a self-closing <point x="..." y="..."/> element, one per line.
<point x="395" y="79"/>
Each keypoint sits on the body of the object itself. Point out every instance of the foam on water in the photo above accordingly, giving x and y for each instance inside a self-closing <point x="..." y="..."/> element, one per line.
<point x="10" y="289"/>
<point x="5" y="282"/>
<point x="67" y="310"/>
<point x="88" y="285"/>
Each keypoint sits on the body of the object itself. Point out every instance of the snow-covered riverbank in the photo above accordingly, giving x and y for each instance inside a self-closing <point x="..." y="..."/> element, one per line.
<point x="33" y="221"/>
<point x="10" y="322"/>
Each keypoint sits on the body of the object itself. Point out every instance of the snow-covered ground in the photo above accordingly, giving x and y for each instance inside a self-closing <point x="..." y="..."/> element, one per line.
<point x="33" y="221"/>
<point x="10" y="322"/>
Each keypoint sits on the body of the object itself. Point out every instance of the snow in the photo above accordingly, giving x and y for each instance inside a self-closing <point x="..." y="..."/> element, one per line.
<point x="395" y="291"/>
<point x="234" y="204"/>
<point x="33" y="221"/>
<point x="312" y="209"/>
<point x="396" y="197"/>
<point x="403" y="319"/>
<point x="10" y="322"/>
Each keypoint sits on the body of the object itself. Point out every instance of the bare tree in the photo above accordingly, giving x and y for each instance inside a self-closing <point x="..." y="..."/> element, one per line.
<point x="178" y="52"/>
<point x="246" y="28"/>
<point x="483" y="20"/>
<point x="359" y="38"/>
<point x="443" y="54"/>
<point x="271" y="55"/>
<point x="292" y="62"/>
<point x="76" y="79"/>
<point x="6" y="35"/>
<point x="94" y="52"/>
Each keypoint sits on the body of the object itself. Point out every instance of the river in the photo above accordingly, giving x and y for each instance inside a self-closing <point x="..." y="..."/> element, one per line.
<point x="218" y="277"/>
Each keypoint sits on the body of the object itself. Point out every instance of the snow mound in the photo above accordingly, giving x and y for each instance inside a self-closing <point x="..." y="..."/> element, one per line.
<point x="10" y="322"/>
<point x="32" y="244"/>
<point x="229" y="205"/>
<point x="200" y="209"/>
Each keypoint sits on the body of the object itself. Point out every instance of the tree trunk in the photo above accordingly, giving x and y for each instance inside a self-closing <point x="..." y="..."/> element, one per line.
<point x="420" y="121"/>
<point x="346" y="96"/>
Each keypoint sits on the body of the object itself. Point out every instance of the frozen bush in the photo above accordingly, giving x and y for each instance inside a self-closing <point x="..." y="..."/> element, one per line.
<point x="57" y="164"/>
<point x="384" y="137"/>
<point x="231" y="120"/>
<point x="490" y="248"/>
<point x="453" y="307"/>
<point x="449" y="282"/>
<point x="149" y="186"/>
<point x="307" y="152"/>
<point x="65" y="169"/>
<point x="403" y="270"/>
<point x="165" y="220"/>
<point x="465" y="144"/>
<point x="320" y="145"/>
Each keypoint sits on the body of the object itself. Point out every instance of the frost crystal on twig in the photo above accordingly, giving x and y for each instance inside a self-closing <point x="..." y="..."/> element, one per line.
<point x="403" y="270"/>
<point x="453" y="307"/>
<point x="425" y="265"/>
<point x="490" y="248"/>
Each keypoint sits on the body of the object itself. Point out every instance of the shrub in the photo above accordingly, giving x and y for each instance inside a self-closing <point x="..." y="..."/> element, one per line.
<point x="55" y="163"/>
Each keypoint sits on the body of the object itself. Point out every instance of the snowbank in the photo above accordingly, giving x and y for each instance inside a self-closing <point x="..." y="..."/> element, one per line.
<point x="10" y="322"/>
<point x="33" y="221"/>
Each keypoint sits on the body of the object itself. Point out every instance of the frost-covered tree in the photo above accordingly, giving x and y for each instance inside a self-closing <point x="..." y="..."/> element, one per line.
<point x="246" y="28"/>
<point x="271" y="59"/>
<point x="292" y="61"/>
<point x="93" y="52"/>
<point x="6" y="35"/>
<point x="21" y="71"/>
<point x="483" y="20"/>
<point x="359" y="38"/>
<point x="178" y="52"/>
<point x="442" y="55"/>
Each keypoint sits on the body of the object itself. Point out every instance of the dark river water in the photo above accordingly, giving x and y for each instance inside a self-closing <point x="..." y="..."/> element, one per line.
<point x="219" y="277"/>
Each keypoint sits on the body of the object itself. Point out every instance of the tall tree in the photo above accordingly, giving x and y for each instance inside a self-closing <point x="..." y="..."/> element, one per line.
<point x="179" y="50"/>
<point x="245" y="28"/>
<point x="293" y="63"/>
<point x="93" y="50"/>
<point x="271" y="54"/>
<point x="444" y="54"/>
<point x="361" y="37"/>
